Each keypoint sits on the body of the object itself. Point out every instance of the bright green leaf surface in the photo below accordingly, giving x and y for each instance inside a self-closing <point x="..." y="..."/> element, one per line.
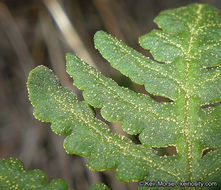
<point x="138" y="112"/>
<point x="187" y="34"/>
<point x="189" y="45"/>
<point x="14" y="177"/>
<point x="139" y="68"/>
<point x="90" y="137"/>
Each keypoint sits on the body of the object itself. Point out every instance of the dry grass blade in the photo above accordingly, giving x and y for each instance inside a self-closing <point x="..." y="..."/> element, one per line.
<point x="69" y="32"/>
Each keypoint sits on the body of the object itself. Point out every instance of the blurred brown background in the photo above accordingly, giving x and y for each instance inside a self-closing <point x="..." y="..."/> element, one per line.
<point x="40" y="32"/>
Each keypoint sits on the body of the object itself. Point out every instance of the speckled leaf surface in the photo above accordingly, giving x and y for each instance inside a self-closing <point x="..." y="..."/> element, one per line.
<point x="88" y="136"/>
<point x="188" y="44"/>
<point x="138" y="113"/>
<point x="13" y="176"/>
<point x="139" y="68"/>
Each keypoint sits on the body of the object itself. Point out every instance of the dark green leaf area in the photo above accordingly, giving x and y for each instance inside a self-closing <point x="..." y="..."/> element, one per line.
<point x="157" y="78"/>
<point x="159" y="176"/>
<point x="14" y="177"/>
<point x="192" y="32"/>
<point x="99" y="186"/>
<point x="89" y="137"/>
<point x="54" y="103"/>
<point x="178" y="20"/>
<point x="107" y="151"/>
<point x="210" y="122"/>
<point x="160" y="133"/>
<point x="209" y="168"/>
<point x="190" y="78"/>
<point x="208" y="86"/>
<point x="163" y="46"/>
<point x="137" y="112"/>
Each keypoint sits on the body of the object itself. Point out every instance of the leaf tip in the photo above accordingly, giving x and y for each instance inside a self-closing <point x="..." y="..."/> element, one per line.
<point x="98" y="36"/>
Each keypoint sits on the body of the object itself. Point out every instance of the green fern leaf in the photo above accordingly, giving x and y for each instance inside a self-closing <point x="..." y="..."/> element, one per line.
<point x="189" y="45"/>
<point x="136" y="111"/>
<point x="89" y="136"/>
<point x="14" y="177"/>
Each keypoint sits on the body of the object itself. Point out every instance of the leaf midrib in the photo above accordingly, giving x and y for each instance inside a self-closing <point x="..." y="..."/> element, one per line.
<point x="91" y="123"/>
<point x="146" y="65"/>
<point x="190" y="103"/>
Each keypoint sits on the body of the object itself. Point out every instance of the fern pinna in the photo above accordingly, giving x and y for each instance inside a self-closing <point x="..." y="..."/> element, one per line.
<point x="186" y="69"/>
